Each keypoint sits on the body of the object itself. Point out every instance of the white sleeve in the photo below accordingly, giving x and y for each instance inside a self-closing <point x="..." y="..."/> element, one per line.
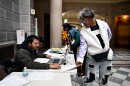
<point x="82" y="49"/>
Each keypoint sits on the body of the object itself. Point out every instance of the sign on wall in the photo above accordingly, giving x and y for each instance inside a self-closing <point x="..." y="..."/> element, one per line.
<point x="20" y="36"/>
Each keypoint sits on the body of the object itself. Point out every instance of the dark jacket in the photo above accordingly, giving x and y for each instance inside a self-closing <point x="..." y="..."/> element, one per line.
<point x="74" y="34"/>
<point x="25" y="58"/>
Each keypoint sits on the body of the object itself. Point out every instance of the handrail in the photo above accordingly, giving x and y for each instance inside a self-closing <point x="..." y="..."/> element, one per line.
<point x="7" y="43"/>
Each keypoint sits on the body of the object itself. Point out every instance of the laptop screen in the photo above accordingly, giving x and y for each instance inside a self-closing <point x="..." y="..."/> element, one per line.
<point x="55" y="61"/>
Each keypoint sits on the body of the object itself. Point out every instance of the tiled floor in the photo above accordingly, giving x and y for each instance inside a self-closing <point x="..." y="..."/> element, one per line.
<point x="121" y="57"/>
<point x="121" y="54"/>
<point x="121" y="70"/>
<point x="120" y="77"/>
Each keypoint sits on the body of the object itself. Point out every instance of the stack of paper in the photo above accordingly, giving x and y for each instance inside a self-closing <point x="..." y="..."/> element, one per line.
<point x="13" y="81"/>
<point x="41" y="60"/>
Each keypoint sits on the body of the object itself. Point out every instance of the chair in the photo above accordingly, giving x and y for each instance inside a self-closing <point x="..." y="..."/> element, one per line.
<point x="3" y="74"/>
<point x="7" y="64"/>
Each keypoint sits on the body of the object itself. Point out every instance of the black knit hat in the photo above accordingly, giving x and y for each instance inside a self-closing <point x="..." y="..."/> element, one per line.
<point x="67" y="26"/>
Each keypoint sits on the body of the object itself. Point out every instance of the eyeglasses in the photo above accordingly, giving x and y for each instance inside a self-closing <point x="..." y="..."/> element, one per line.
<point x="84" y="20"/>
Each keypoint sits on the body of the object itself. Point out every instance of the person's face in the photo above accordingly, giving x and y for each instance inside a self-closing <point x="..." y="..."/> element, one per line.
<point x="34" y="44"/>
<point x="86" y="22"/>
<point x="41" y="45"/>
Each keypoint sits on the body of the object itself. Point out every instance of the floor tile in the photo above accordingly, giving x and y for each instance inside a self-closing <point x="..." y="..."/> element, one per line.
<point x="128" y="78"/>
<point x="122" y="72"/>
<point x="124" y="69"/>
<point x="117" y="75"/>
<point x="113" y="84"/>
<point x="126" y="83"/>
<point x="116" y="80"/>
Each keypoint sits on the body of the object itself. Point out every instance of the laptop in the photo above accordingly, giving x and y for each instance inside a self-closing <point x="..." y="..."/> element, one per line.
<point x="56" y="61"/>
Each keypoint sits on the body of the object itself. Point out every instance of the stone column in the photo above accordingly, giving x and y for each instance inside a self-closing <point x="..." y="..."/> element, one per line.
<point x="26" y="18"/>
<point x="56" y="23"/>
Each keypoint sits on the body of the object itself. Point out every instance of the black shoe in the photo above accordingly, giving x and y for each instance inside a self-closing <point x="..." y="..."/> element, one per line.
<point x="91" y="78"/>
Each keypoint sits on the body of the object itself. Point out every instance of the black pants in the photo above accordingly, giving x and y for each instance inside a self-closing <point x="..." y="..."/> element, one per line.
<point x="82" y="69"/>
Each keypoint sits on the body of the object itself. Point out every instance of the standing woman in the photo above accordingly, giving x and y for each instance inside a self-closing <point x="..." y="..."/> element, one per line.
<point x="95" y="38"/>
<point x="74" y="33"/>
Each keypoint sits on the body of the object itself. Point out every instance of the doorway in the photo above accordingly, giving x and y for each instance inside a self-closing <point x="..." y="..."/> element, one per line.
<point x="123" y="32"/>
<point x="47" y="29"/>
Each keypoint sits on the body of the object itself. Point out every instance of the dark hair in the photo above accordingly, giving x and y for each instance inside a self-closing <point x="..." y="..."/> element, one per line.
<point x="67" y="26"/>
<point x="30" y="39"/>
<point x="41" y="39"/>
<point x="87" y="13"/>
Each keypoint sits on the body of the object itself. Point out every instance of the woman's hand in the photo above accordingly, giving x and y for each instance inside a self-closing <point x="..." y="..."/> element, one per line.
<point x="79" y="64"/>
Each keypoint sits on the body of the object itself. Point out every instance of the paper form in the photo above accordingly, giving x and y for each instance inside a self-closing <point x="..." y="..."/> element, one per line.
<point x="41" y="60"/>
<point x="67" y="67"/>
<point x="13" y="81"/>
